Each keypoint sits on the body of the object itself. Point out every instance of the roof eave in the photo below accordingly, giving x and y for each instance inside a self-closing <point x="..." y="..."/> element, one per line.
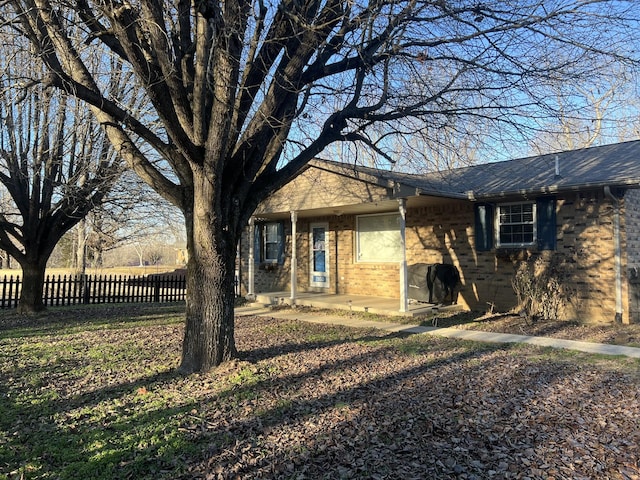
<point x="553" y="189"/>
<point x="453" y="195"/>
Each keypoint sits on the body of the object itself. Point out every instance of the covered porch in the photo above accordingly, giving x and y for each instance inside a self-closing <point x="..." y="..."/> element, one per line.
<point x="355" y="303"/>
<point x="335" y="238"/>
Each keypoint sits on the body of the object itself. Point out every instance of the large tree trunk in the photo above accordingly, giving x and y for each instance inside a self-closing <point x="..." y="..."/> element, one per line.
<point x="32" y="287"/>
<point x="209" y="330"/>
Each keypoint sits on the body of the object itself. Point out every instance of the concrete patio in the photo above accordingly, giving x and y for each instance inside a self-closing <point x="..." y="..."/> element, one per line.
<point x="356" y="303"/>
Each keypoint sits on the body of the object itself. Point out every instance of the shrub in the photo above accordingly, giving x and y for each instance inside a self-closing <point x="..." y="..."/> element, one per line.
<point x="541" y="291"/>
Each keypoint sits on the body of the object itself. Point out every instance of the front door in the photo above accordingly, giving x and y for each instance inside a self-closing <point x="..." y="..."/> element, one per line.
<point x="319" y="240"/>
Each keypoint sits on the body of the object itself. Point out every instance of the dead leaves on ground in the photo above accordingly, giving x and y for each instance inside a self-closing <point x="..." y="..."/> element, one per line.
<point x="313" y="401"/>
<point x="368" y="409"/>
<point x="601" y="332"/>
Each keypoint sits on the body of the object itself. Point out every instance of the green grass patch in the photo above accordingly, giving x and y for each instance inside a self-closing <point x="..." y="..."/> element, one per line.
<point x="86" y="318"/>
<point x="83" y="394"/>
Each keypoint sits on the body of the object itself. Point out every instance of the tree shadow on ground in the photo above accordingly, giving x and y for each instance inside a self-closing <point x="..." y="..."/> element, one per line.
<point x="318" y="401"/>
<point x="445" y="319"/>
<point x="61" y="319"/>
<point x="421" y="409"/>
<point x="154" y="425"/>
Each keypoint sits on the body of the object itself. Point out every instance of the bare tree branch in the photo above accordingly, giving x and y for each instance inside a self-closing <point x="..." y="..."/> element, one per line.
<point x="240" y="95"/>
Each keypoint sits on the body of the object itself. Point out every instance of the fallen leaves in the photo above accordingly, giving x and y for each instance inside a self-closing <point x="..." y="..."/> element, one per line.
<point x="310" y="401"/>
<point x="369" y="410"/>
<point x="600" y="332"/>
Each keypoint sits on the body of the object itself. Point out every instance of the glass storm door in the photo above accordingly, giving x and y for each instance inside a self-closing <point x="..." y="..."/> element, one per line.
<point x="319" y="255"/>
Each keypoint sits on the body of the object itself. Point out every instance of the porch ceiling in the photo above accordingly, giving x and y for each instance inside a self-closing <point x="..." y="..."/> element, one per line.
<point x="381" y="206"/>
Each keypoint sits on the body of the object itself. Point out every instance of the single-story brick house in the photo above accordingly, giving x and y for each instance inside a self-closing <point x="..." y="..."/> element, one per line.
<point x="344" y="229"/>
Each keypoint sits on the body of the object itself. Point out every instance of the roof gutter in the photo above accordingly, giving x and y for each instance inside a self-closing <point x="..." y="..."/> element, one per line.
<point x="552" y="189"/>
<point x="617" y="251"/>
<point x="453" y="195"/>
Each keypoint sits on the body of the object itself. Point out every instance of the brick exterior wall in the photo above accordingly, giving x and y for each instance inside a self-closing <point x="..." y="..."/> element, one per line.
<point x="586" y="246"/>
<point x="347" y="276"/>
<point x="444" y="233"/>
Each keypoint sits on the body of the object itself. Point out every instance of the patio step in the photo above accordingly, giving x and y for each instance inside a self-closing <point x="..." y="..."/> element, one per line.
<point x="272" y="299"/>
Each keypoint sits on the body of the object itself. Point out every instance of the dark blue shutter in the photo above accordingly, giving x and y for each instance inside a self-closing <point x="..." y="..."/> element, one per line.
<point x="280" y="243"/>
<point x="484" y="226"/>
<point x="546" y="225"/>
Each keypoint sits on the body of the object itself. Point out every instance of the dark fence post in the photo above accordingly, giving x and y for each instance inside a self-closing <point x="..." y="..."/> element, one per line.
<point x="77" y="289"/>
<point x="108" y="289"/>
<point x="127" y="290"/>
<point x="57" y="289"/>
<point x="118" y="289"/>
<point x="46" y="294"/>
<point x="86" y="288"/>
<point x="65" y="284"/>
<point x="16" y="298"/>
<point x="174" y="288"/>
<point x="4" y="291"/>
<point x="11" y="297"/>
<point x="156" y="289"/>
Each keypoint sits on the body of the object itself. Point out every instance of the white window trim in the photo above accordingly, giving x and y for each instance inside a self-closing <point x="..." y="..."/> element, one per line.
<point x="263" y="243"/>
<point x="357" y="239"/>
<point x="497" y="223"/>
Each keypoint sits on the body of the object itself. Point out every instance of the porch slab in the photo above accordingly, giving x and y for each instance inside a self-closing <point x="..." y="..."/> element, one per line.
<point x="355" y="303"/>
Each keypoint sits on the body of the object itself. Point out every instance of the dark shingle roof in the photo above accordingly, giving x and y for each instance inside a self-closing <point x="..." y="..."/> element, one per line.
<point x="614" y="165"/>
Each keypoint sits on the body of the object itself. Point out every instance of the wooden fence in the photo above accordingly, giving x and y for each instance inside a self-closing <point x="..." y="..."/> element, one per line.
<point x="84" y="289"/>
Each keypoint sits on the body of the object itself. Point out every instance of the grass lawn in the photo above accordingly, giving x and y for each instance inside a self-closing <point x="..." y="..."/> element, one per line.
<point x="90" y="393"/>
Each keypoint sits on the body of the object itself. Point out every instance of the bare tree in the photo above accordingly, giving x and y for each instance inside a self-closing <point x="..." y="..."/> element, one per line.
<point x="130" y="213"/>
<point x="242" y="94"/>
<point x="56" y="164"/>
<point x="596" y="113"/>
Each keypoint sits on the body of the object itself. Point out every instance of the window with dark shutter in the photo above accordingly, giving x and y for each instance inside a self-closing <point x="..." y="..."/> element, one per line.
<point x="516" y="224"/>
<point x="269" y="242"/>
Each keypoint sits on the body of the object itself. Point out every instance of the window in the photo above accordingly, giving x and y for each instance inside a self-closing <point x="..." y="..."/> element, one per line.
<point x="520" y="224"/>
<point x="516" y="224"/>
<point x="269" y="242"/>
<point x="378" y="238"/>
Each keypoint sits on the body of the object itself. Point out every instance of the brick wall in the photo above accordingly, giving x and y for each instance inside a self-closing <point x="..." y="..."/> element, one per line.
<point x="585" y="241"/>
<point x="584" y="255"/>
<point x="268" y="277"/>
<point x="444" y="233"/>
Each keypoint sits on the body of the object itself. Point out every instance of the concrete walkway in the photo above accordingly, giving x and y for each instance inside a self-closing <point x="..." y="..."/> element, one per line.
<point x="474" y="335"/>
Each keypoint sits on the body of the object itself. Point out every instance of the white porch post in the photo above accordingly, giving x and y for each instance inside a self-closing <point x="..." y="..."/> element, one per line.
<point x="252" y="263"/>
<point x="294" y="257"/>
<point x="404" y="291"/>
